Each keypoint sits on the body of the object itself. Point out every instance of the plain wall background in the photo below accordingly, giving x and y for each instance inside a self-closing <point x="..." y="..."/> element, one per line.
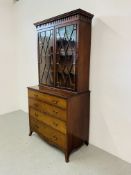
<point x="110" y="73"/>
<point x="8" y="60"/>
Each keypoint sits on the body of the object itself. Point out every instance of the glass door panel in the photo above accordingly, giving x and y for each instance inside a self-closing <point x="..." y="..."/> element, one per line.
<point x="66" y="38"/>
<point x="46" y="61"/>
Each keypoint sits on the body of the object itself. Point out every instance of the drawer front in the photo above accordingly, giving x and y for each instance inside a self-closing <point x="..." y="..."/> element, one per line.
<point x="49" y="133"/>
<point x="48" y="98"/>
<point x="51" y="121"/>
<point x="49" y="109"/>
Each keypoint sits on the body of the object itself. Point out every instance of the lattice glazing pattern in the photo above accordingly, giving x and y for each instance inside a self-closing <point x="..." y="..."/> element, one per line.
<point x="66" y="56"/>
<point x="46" y="63"/>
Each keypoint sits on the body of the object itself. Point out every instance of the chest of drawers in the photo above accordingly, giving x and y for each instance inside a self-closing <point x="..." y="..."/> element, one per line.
<point x="60" y="119"/>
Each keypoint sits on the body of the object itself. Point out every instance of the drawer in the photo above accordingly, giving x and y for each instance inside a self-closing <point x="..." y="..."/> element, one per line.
<point x="49" y="133"/>
<point x="51" y="121"/>
<point x="49" y="109"/>
<point x="53" y="100"/>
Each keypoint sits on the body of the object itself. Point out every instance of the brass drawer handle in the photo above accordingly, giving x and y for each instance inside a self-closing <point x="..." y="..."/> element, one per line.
<point x="36" y="114"/>
<point x="36" y="105"/>
<point x="54" y="101"/>
<point x="36" y="95"/>
<point x="56" y="112"/>
<point x="55" y="138"/>
<point x="37" y="127"/>
<point x="55" y="124"/>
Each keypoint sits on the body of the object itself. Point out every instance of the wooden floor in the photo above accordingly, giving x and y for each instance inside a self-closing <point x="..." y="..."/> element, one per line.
<point x="24" y="155"/>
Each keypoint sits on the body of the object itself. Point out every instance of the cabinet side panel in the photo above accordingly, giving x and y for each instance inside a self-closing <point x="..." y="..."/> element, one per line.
<point x="78" y="119"/>
<point x="84" y="56"/>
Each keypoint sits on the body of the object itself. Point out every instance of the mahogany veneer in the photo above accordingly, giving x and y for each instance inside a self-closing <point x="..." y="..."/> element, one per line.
<point x="59" y="105"/>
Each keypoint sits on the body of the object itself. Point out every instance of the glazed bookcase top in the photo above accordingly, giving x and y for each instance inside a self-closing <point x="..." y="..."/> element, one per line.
<point x="64" y="51"/>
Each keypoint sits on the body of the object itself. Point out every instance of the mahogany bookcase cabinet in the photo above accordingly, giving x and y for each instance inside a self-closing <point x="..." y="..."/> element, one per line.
<point x="59" y="105"/>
